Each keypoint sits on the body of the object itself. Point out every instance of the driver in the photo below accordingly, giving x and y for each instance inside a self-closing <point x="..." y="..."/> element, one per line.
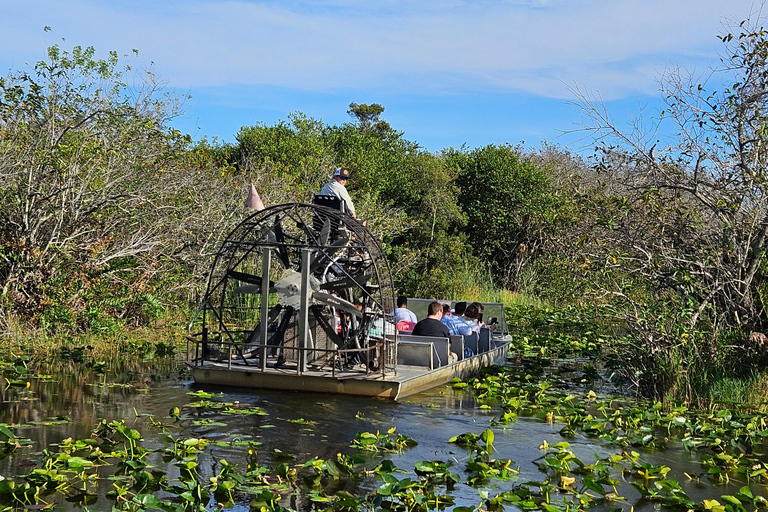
<point x="338" y="187"/>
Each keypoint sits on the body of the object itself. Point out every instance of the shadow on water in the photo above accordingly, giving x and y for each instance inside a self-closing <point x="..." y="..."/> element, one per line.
<point x="69" y="399"/>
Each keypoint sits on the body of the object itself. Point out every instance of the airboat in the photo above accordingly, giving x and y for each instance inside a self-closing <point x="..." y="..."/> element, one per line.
<point x="300" y="298"/>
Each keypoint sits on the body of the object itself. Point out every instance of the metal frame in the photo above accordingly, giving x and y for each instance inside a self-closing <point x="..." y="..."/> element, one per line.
<point x="282" y="239"/>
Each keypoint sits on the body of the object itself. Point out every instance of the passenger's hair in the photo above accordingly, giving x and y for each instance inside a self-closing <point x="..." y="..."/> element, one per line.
<point x="402" y="300"/>
<point x="459" y="308"/>
<point x="446" y="309"/>
<point x="472" y="312"/>
<point x="434" y="308"/>
<point x="480" y="307"/>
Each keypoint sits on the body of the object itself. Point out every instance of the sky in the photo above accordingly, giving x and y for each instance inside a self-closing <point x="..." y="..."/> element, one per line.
<point x="449" y="73"/>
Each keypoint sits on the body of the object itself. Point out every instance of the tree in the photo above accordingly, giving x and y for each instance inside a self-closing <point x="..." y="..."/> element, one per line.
<point x="508" y="206"/>
<point x="707" y="192"/>
<point x="684" y="224"/>
<point x="289" y="161"/>
<point x="368" y="118"/>
<point x="94" y="186"/>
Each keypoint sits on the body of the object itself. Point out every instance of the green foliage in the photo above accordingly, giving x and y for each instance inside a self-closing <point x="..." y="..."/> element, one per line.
<point x="78" y="151"/>
<point x="674" y="237"/>
<point x="508" y="205"/>
<point x="378" y="442"/>
<point x="294" y="156"/>
<point x="102" y="203"/>
<point x="368" y="118"/>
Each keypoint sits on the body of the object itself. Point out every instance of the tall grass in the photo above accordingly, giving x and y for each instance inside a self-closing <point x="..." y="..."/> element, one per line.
<point x="750" y="392"/>
<point x="475" y="283"/>
<point x="39" y="345"/>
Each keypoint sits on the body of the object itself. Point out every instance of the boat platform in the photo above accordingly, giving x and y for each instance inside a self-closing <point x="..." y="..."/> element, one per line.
<point x="424" y="363"/>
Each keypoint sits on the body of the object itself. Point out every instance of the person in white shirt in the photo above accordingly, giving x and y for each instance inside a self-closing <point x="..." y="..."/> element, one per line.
<point x="402" y="313"/>
<point x="338" y="187"/>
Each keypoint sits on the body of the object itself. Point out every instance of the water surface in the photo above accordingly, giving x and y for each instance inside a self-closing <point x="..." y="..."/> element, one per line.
<point x="73" y="399"/>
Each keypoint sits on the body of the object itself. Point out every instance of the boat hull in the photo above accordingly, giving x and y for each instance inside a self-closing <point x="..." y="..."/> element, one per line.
<point x="405" y="382"/>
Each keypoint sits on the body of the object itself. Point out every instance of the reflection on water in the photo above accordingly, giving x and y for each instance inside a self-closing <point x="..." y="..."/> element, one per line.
<point x="144" y="393"/>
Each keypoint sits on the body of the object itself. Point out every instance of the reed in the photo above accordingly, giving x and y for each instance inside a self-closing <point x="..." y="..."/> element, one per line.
<point x="474" y="282"/>
<point x="38" y="345"/>
<point x="750" y="392"/>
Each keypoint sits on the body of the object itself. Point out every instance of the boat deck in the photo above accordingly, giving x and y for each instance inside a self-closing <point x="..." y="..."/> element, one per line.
<point x="405" y="380"/>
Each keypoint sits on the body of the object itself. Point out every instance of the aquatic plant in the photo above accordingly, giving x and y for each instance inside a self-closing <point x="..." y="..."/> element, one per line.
<point x="386" y="442"/>
<point x="10" y="442"/>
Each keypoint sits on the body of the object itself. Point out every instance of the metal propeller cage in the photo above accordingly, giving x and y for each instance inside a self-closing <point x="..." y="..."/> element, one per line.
<point x="328" y="301"/>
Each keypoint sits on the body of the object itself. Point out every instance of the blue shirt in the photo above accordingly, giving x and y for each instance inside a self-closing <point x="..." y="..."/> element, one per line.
<point x="456" y="325"/>
<point x="474" y="325"/>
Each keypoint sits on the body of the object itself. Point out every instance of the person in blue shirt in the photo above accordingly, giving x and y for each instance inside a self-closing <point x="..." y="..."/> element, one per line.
<point x="446" y="313"/>
<point x="455" y="323"/>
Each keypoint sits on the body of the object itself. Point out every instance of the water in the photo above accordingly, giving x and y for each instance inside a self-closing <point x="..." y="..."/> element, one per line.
<point x="74" y="399"/>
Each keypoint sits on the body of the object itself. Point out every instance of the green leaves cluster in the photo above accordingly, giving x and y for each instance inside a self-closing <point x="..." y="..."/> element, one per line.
<point x="487" y="210"/>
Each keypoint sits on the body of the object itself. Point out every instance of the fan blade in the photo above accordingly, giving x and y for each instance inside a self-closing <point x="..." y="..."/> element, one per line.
<point x="325" y="232"/>
<point x="358" y="280"/>
<point x="317" y="311"/>
<point x="253" y="283"/>
<point x="325" y="255"/>
<point x="278" y="338"/>
<point x="248" y="289"/>
<point x="247" y="278"/>
<point x="336" y="302"/>
<point x="256" y="333"/>
<point x="282" y="251"/>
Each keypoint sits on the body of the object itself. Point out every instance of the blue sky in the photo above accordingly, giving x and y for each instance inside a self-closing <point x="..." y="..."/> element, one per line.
<point x="448" y="72"/>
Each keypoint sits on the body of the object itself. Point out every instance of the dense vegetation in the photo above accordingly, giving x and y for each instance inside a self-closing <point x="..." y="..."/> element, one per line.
<point x="108" y="215"/>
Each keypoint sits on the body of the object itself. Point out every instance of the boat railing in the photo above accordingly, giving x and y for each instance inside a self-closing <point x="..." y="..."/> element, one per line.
<point x="305" y="359"/>
<point x="429" y="351"/>
<point x="434" y="352"/>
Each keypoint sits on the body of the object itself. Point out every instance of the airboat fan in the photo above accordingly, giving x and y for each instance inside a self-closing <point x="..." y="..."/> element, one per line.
<point x="300" y="284"/>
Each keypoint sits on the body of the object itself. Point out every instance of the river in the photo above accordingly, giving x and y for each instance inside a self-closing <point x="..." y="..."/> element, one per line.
<point x="73" y="400"/>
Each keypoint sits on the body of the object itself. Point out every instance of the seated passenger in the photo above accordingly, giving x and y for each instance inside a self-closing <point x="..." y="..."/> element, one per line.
<point x="432" y="326"/>
<point x="471" y="316"/>
<point x="447" y="313"/>
<point x="402" y="313"/>
<point x="480" y="319"/>
<point x="455" y="323"/>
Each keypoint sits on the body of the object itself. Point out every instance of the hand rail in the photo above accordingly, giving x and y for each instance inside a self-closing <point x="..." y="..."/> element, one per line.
<point x="336" y="354"/>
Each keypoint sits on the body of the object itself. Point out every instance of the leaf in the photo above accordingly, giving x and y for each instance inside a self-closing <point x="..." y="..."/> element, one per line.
<point x="590" y="484"/>
<point x="424" y="467"/>
<point x="733" y="500"/>
<point x="387" y="489"/>
<point x="487" y="437"/>
<point x="79" y="462"/>
<point x="713" y="505"/>
<point x="7" y="432"/>
<point x="149" y="501"/>
<point x="366" y="438"/>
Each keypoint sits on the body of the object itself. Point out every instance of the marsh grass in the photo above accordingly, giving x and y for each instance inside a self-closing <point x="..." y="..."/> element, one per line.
<point x="38" y="345"/>
<point x="751" y="391"/>
<point x="475" y="283"/>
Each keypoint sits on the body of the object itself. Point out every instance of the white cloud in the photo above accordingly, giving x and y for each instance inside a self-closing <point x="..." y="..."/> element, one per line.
<point x="618" y="47"/>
